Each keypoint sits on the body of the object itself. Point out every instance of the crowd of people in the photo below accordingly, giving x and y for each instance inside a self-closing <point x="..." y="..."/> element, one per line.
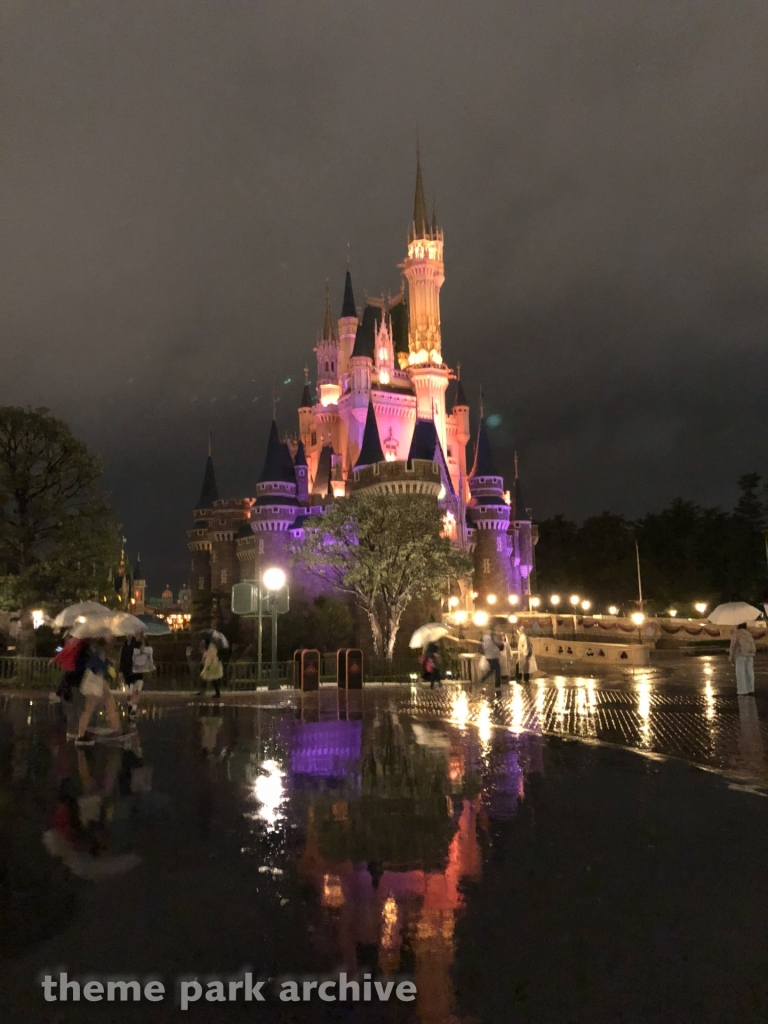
<point x="88" y="670"/>
<point x="504" y="660"/>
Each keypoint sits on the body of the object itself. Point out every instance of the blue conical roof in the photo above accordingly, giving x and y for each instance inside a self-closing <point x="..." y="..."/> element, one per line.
<point x="278" y="464"/>
<point x="370" y="452"/>
<point x="484" y="464"/>
<point x="301" y="457"/>
<point x="365" y="338"/>
<point x="424" y="442"/>
<point x="348" y="305"/>
<point x="209" y="492"/>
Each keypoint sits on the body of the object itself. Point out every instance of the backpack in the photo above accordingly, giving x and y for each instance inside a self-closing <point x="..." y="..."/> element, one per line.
<point x="66" y="659"/>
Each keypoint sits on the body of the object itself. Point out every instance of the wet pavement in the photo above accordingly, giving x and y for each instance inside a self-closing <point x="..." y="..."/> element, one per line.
<point x="551" y="854"/>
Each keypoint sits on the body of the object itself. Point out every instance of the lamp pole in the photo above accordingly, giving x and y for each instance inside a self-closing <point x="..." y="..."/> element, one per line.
<point x="261" y="633"/>
<point x="273" y="606"/>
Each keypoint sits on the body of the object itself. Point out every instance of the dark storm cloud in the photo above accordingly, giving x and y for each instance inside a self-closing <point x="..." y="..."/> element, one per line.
<point x="178" y="179"/>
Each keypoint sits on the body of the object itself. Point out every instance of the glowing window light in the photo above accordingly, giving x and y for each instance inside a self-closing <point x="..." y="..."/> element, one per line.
<point x="384" y="376"/>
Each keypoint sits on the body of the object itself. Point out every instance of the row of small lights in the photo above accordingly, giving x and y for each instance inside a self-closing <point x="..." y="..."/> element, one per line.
<point x="481" y="618"/>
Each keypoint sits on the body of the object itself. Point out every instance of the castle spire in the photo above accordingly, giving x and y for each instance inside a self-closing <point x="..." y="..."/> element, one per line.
<point x="277" y="468"/>
<point x="371" y="451"/>
<point x="420" y="222"/>
<point x="484" y="464"/>
<point x="348" y="304"/>
<point x="209" y="492"/>
<point x="329" y="329"/>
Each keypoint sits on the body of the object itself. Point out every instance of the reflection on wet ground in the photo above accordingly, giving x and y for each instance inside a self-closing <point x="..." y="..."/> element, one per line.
<point x="451" y="836"/>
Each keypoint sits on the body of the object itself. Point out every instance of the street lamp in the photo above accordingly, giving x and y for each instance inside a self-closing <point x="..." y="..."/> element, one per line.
<point x="453" y="601"/>
<point x="535" y="602"/>
<point x="514" y="598"/>
<point x="274" y="579"/>
<point x="460" y="616"/>
<point x="701" y="607"/>
<point x="586" y="605"/>
<point x="555" y="600"/>
<point x="480" y="618"/>
<point x="638" y="618"/>
<point x="575" y="599"/>
<point x="491" y="599"/>
<point x="672" y="612"/>
<point x="512" y="619"/>
<point x="613" y="610"/>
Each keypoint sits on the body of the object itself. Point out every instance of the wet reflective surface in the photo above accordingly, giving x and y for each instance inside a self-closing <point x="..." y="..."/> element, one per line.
<point x="503" y="851"/>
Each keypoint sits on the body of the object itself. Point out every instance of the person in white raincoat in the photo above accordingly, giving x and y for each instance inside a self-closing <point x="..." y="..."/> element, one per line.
<point x="742" y="654"/>
<point x="526" y="661"/>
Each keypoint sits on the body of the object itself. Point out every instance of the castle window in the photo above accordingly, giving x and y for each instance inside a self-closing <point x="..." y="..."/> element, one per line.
<point x="450" y="453"/>
<point x="201" y="582"/>
<point x="313" y="439"/>
<point x="499" y="543"/>
<point x="326" y="367"/>
<point x="261" y="545"/>
<point x="224" y="576"/>
<point x="486" y="565"/>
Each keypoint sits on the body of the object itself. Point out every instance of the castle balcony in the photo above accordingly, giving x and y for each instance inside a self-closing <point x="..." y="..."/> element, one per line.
<point x="419" y="476"/>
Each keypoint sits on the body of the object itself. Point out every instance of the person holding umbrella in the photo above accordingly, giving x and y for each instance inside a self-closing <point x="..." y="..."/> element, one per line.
<point x="95" y="689"/>
<point x="742" y="654"/>
<point x="212" y="670"/>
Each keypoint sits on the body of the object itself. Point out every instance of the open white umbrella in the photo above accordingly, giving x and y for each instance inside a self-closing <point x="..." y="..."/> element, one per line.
<point x="733" y="613"/>
<point x="428" y="634"/>
<point x="101" y="626"/>
<point x="80" y="612"/>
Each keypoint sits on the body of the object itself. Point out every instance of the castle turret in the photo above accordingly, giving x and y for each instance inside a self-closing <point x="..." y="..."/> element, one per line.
<point x="305" y="411"/>
<point x="489" y="514"/>
<point x="301" y="469"/>
<point x="328" y="382"/>
<point x="199" y="543"/>
<point x="461" y="416"/>
<point x="347" y="325"/>
<point x="276" y="505"/>
<point x="524" y="538"/>
<point x="370" y="451"/>
<point x="138" y="589"/>
<point x="425" y="273"/>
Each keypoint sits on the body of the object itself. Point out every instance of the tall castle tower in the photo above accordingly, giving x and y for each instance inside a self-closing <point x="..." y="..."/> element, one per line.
<point x="425" y="272"/>
<point x="489" y="515"/>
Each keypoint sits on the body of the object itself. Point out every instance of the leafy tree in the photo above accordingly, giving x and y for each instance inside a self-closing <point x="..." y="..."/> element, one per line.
<point x="58" y="539"/>
<point x="386" y="550"/>
<point x="326" y="624"/>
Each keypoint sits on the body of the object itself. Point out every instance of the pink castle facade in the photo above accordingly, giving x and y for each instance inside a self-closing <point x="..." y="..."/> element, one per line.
<point x="388" y="413"/>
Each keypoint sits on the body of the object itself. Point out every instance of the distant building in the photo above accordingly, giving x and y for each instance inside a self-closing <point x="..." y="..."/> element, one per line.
<point x="388" y="414"/>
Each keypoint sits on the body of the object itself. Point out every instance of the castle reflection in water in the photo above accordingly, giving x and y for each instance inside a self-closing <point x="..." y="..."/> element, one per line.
<point x="391" y="820"/>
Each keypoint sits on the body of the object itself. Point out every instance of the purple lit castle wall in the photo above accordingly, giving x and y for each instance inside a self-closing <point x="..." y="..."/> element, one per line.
<point x="388" y="413"/>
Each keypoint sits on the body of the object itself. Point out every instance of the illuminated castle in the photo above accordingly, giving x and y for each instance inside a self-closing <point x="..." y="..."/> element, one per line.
<point x="390" y="414"/>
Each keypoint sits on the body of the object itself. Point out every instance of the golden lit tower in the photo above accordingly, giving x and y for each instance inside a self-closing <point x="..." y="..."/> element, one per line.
<point x="424" y="271"/>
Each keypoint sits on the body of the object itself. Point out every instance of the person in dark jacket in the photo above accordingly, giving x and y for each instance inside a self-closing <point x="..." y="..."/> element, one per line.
<point x="430" y="665"/>
<point x="133" y="680"/>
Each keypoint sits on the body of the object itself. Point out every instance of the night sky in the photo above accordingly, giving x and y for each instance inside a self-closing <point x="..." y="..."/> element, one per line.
<point x="178" y="179"/>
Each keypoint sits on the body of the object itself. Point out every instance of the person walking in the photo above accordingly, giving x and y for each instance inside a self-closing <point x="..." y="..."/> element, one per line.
<point x="95" y="688"/>
<point x="133" y="680"/>
<point x="526" y="662"/>
<point x="492" y="647"/>
<point x="430" y="665"/>
<point x="742" y="654"/>
<point x="212" y="670"/>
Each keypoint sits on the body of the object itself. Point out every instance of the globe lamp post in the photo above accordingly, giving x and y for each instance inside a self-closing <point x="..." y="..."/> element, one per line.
<point x="274" y="579"/>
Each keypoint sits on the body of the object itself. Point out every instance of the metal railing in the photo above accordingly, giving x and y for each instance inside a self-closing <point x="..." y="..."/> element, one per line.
<point x="238" y="675"/>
